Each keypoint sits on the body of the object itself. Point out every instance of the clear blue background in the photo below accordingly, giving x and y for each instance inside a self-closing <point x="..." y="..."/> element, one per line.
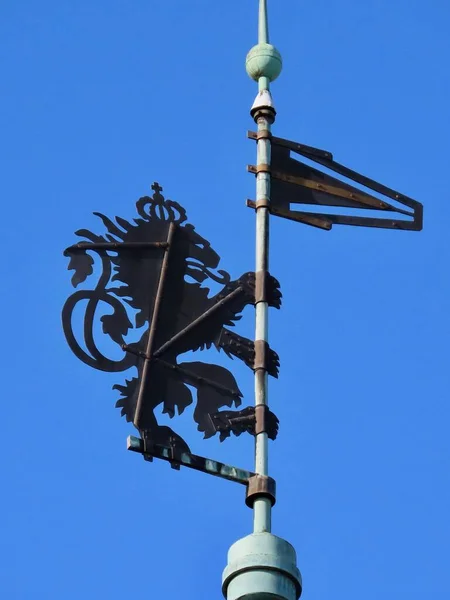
<point x="99" y="99"/>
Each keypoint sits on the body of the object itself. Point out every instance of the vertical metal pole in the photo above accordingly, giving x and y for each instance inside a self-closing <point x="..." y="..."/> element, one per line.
<point x="262" y="506"/>
<point x="262" y="565"/>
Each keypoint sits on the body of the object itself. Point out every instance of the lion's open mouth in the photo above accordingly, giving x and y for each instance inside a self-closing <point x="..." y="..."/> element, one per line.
<point x="199" y="272"/>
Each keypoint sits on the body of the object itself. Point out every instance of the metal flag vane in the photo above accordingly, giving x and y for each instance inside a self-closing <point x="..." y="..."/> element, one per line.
<point x="294" y="182"/>
<point x="154" y="274"/>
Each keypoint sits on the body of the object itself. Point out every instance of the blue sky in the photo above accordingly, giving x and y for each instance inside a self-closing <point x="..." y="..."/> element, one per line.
<point x="99" y="99"/>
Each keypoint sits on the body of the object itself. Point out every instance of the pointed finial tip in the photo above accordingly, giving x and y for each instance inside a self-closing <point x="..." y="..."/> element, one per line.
<point x="263" y="60"/>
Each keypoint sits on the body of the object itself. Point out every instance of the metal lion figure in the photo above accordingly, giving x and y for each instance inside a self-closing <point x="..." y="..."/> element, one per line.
<point x="158" y="265"/>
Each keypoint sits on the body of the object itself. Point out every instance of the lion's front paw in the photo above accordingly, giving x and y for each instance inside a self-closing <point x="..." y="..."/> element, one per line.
<point x="261" y="286"/>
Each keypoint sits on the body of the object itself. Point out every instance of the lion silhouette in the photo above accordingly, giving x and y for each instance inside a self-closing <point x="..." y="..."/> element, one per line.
<point x="161" y="265"/>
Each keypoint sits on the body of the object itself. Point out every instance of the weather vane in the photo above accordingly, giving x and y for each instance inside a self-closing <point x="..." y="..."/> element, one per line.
<point x="154" y="275"/>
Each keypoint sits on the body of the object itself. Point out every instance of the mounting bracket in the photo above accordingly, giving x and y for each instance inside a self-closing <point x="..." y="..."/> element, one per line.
<point x="257" y="485"/>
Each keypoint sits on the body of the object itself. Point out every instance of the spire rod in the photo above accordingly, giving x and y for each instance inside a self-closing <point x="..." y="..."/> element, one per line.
<point x="263" y="65"/>
<point x="262" y="565"/>
<point x="263" y="23"/>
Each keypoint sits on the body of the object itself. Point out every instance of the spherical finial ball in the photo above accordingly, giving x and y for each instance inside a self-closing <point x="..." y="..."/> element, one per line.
<point x="263" y="60"/>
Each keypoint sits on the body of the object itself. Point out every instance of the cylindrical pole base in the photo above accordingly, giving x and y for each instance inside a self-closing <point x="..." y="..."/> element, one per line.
<point x="261" y="566"/>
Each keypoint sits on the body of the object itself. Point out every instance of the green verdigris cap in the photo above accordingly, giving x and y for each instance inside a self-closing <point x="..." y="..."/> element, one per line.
<point x="263" y="60"/>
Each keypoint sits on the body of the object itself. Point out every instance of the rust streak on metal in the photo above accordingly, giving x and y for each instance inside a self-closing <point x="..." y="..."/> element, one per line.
<point x="228" y="298"/>
<point x="264" y="134"/>
<point x="308" y="151"/>
<point x="198" y="379"/>
<point x="117" y="246"/>
<point x="261" y="355"/>
<point x="260" y="419"/>
<point x="153" y="326"/>
<point x="259" y="169"/>
<point x="319" y="221"/>
<point x="262" y="203"/>
<point x="260" y="486"/>
<point x="329" y="189"/>
<point x="261" y="286"/>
